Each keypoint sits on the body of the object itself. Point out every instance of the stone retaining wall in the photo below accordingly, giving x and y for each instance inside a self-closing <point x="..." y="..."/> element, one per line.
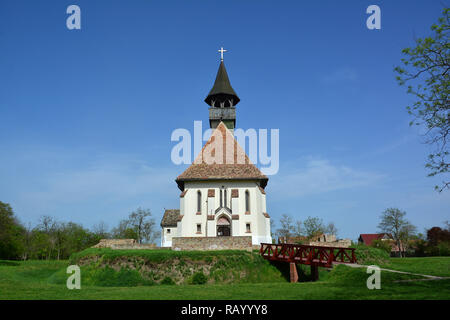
<point x="123" y="244"/>
<point x="212" y="243"/>
<point x="339" y="244"/>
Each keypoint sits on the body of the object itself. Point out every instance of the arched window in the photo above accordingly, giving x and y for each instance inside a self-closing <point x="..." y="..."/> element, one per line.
<point x="221" y="202"/>
<point x="247" y="201"/>
<point x="199" y="201"/>
<point x="225" y="196"/>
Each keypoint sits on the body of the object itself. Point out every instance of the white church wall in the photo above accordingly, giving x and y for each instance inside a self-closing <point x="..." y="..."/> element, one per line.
<point x="235" y="204"/>
<point x="188" y="208"/>
<point x="166" y="236"/>
<point x="211" y="205"/>
<point x="211" y="228"/>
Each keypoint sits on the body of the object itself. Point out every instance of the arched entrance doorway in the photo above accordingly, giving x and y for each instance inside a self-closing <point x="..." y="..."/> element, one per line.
<point x="223" y="227"/>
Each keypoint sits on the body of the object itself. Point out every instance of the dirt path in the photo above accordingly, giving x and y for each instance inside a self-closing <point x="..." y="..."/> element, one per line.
<point x="426" y="276"/>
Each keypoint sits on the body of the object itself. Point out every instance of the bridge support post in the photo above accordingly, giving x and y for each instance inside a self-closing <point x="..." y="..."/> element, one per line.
<point x="293" y="272"/>
<point x="314" y="272"/>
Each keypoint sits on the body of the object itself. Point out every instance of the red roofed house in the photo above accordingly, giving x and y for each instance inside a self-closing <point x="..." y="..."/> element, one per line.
<point x="222" y="192"/>
<point x="368" y="238"/>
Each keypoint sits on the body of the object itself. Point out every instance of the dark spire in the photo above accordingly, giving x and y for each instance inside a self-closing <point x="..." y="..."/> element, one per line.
<point x="222" y="92"/>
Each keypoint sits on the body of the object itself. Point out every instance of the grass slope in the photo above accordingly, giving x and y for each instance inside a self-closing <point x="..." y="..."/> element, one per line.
<point x="31" y="280"/>
<point x="433" y="266"/>
<point x="107" y="267"/>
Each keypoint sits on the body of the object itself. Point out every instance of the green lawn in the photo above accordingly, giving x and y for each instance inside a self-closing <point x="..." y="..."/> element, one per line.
<point x="433" y="266"/>
<point x="30" y="280"/>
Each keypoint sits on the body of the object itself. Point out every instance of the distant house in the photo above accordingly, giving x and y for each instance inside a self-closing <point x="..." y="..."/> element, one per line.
<point x="368" y="238"/>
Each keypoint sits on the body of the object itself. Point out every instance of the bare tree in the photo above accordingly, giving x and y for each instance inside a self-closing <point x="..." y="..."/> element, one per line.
<point x="287" y="228"/>
<point x="138" y="226"/>
<point x="272" y="228"/>
<point x="331" y="229"/>
<point x="298" y="228"/>
<point x="407" y="232"/>
<point x="393" y="221"/>
<point x="447" y="225"/>
<point x="100" y="230"/>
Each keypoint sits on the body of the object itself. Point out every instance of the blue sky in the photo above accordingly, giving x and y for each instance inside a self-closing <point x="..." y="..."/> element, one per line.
<point x="86" y="115"/>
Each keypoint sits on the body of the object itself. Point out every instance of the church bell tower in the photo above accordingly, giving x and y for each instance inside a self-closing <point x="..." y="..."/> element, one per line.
<point x="222" y="99"/>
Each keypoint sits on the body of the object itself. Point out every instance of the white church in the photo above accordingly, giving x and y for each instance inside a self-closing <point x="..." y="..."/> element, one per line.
<point x="222" y="192"/>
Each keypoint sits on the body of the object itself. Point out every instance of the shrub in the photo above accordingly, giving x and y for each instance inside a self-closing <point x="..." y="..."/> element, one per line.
<point x="199" y="278"/>
<point x="444" y="248"/>
<point x="369" y="255"/>
<point x="128" y="278"/>
<point x="167" y="280"/>
<point x="383" y="245"/>
<point x="420" y="248"/>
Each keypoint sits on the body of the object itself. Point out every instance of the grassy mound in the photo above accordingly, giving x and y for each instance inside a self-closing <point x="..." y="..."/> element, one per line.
<point x="126" y="268"/>
<point x="370" y="256"/>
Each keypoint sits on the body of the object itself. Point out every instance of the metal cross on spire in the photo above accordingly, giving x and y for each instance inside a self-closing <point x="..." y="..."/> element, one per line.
<point x="222" y="50"/>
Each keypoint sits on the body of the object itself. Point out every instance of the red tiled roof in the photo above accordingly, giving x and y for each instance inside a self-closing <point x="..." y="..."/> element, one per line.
<point x="221" y="158"/>
<point x="368" y="238"/>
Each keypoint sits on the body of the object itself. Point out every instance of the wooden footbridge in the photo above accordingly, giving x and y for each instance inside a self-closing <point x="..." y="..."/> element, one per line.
<point x="315" y="256"/>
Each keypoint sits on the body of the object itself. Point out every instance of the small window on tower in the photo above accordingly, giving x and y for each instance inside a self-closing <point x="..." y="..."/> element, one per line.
<point x="247" y="227"/>
<point x="199" y="228"/>
<point x="168" y="230"/>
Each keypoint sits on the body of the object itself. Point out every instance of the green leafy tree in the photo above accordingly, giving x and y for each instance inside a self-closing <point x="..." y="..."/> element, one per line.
<point x="313" y="226"/>
<point x="11" y="233"/>
<point x="39" y="245"/>
<point x="425" y="68"/>
<point x="76" y="238"/>
<point x="47" y="225"/>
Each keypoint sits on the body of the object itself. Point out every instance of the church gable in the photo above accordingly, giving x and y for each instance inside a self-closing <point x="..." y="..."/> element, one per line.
<point x="221" y="158"/>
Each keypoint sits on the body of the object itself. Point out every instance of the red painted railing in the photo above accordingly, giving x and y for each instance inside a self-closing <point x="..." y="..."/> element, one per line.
<point x="305" y="254"/>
